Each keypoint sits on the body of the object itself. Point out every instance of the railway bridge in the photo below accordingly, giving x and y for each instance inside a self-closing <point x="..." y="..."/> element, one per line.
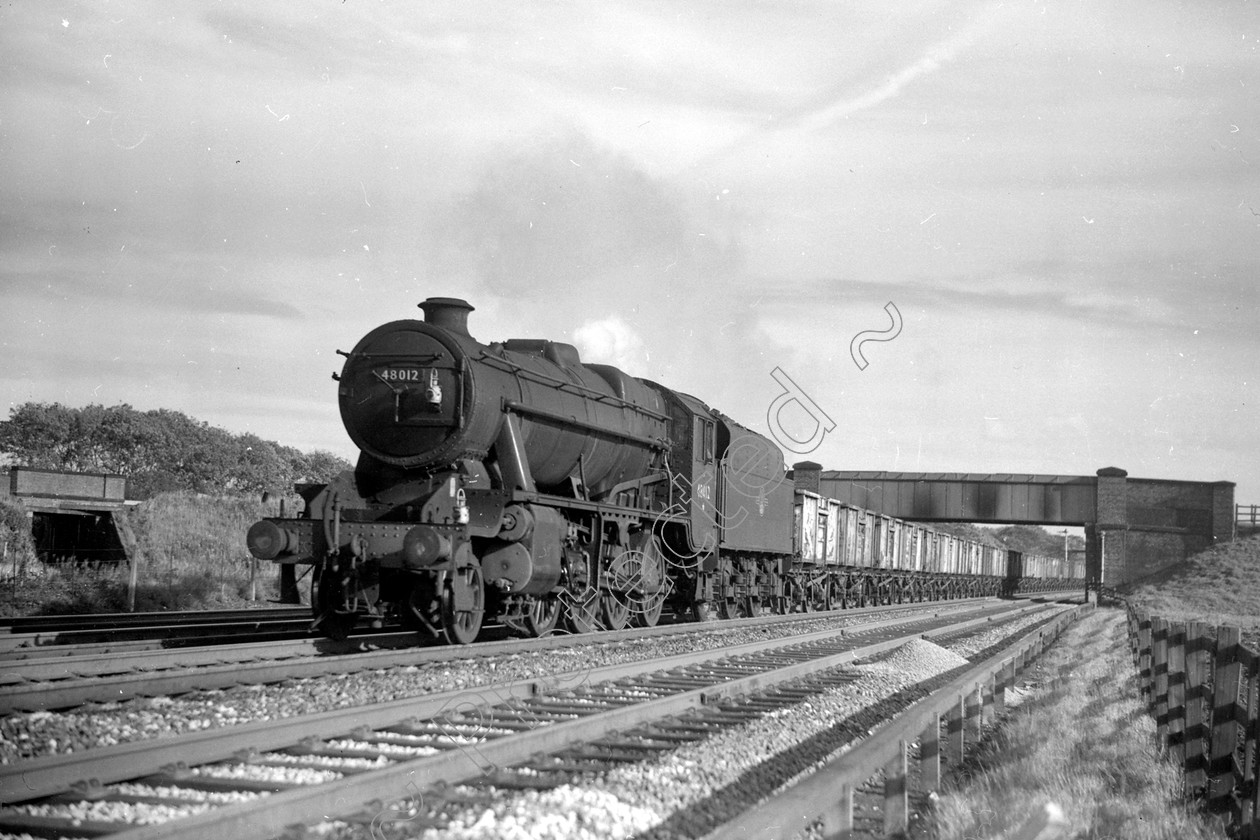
<point x="1133" y="526"/>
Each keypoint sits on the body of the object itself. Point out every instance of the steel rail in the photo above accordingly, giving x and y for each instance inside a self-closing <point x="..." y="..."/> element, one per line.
<point x="169" y="635"/>
<point x="49" y="653"/>
<point x="98" y="621"/>
<point x="223" y="666"/>
<point x="50" y="775"/>
<point x="268" y="816"/>
<point x="46" y="623"/>
<point x="285" y="648"/>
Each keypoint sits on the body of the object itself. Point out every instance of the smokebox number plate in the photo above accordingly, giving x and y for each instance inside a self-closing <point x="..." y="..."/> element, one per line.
<point x="400" y="374"/>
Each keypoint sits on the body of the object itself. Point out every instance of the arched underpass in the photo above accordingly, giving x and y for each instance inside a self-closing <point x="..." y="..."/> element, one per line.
<point x="72" y="514"/>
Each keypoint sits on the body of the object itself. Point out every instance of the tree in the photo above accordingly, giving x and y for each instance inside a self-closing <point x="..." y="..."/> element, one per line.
<point x="157" y="450"/>
<point x="38" y="435"/>
<point x="318" y="466"/>
<point x="1033" y="539"/>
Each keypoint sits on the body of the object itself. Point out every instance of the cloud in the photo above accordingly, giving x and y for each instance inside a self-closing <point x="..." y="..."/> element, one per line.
<point x="1119" y="292"/>
<point x="841" y="96"/>
<point x="563" y="212"/>
<point x="91" y="280"/>
<point x="611" y="341"/>
<point x="932" y="60"/>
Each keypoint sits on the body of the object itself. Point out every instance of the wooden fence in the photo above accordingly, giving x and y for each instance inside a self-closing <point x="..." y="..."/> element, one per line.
<point x="1201" y="685"/>
<point x="1246" y="520"/>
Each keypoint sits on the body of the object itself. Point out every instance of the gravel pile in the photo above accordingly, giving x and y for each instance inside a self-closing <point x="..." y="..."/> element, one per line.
<point x="25" y="736"/>
<point x="917" y="656"/>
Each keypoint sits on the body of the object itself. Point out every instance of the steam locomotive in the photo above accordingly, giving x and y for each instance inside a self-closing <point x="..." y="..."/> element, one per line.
<point x="511" y="482"/>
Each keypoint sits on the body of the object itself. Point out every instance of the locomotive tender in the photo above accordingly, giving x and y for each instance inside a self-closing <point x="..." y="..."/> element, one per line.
<point x="513" y="482"/>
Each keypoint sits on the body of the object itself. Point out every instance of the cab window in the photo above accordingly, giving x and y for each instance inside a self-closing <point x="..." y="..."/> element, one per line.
<point x="703" y="439"/>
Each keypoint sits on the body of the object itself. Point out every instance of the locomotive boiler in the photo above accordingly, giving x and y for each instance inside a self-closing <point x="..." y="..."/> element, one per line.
<point x="508" y="480"/>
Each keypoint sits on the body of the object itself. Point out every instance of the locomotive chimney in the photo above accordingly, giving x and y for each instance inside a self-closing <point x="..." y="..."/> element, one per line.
<point x="447" y="313"/>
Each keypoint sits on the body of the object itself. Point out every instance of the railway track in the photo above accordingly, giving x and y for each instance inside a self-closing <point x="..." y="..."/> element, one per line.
<point x="45" y="635"/>
<point x="524" y="734"/>
<point x="33" y="681"/>
<point x="109" y="621"/>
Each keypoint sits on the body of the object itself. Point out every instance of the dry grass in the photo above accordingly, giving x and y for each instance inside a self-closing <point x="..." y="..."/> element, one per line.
<point x="1217" y="586"/>
<point x="1083" y="741"/>
<point x="191" y="553"/>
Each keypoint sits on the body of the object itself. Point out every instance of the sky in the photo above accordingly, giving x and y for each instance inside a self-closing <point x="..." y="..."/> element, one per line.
<point x="1057" y="204"/>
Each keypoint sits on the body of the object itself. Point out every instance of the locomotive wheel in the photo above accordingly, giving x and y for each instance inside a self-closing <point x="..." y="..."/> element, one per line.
<point x="581" y="612"/>
<point x="651" y="586"/>
<point x="463" y="605"/>
<point x="541" y="616"/>
<point x="742" y="607"/>
<point x="614" y="613"/>
<point x="649" y="612"/>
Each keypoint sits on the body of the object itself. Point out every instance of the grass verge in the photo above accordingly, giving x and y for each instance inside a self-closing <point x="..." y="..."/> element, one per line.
<point x="1219" y="586"/>
<point x="1082" y="740"/>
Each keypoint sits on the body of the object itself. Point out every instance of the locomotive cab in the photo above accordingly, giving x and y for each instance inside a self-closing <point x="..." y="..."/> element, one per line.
<point x="691" y="531"/>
